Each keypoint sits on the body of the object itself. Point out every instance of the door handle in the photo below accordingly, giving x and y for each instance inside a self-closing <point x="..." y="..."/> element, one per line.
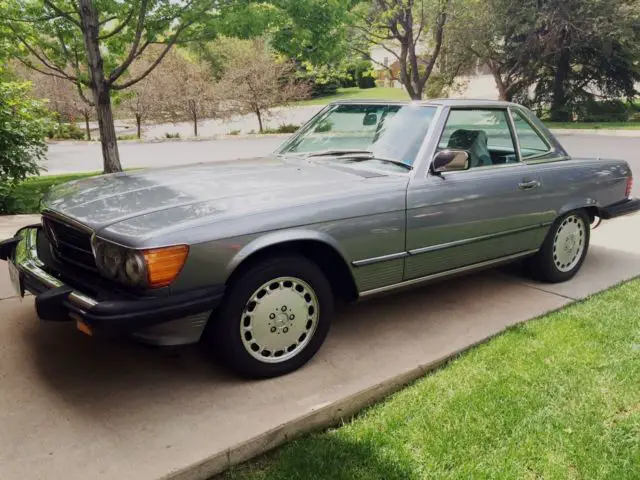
<point x="529" y="185"/>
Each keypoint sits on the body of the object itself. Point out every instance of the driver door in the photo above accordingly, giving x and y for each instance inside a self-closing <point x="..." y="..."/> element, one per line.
<point x="487" y="212"/>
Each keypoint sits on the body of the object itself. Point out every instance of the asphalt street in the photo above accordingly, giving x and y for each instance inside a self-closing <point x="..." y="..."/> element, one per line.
<point x="66" y="157"/>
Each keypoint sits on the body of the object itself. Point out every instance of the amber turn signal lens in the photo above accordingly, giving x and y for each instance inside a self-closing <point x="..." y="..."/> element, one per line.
<point x="164" y="264"/>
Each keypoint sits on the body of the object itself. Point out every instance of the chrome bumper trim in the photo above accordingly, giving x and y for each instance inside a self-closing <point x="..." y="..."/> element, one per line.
<point x="26" y="259"/>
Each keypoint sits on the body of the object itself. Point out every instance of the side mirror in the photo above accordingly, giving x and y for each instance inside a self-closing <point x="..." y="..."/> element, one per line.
<point x="370" y="119"/>
<point x="450" y="161"/>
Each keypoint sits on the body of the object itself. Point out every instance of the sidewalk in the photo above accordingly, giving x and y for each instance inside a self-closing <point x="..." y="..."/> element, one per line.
<point x="9" y="224"/>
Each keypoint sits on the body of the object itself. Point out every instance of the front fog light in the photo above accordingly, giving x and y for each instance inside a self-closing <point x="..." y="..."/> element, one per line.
<point x="135" y="269"/>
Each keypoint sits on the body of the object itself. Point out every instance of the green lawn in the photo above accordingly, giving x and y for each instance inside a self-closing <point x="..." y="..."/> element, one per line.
<point x="595" y="125"/>
<point x="555" y="398"/>
<point x="355" y="93"/>
<point x="25" y="198"/>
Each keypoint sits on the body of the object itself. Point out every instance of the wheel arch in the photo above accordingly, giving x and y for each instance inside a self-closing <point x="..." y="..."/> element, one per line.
<point x="589" y="205"/>
<point x="318" y="247"/>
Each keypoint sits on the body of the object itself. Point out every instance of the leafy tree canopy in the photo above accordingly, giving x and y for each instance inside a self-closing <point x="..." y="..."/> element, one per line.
<point x="304" y="30"/>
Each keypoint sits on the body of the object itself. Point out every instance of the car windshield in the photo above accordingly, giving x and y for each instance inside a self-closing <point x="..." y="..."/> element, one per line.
<point x="386" y="131"/>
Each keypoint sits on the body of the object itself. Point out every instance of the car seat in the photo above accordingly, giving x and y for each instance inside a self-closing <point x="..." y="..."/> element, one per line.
<point x="475" y="142"/>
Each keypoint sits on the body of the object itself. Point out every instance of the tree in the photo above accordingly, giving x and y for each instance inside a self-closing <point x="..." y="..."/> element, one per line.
<point x="304" y="30"/>
<point x="590" y="49"/>
<point x="25" y="123"/>
<point x="63" y="98"/>
<point x="92" y="43"/>
<point x="145" y="99"/>
<point x="504" y="36"/>
<point x="404" y="28"/>
<point x="255" y="81"/>
<point x="188" y="89"/>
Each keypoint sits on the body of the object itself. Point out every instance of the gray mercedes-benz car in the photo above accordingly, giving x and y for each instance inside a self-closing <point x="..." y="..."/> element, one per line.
<point x="367" y="197"/>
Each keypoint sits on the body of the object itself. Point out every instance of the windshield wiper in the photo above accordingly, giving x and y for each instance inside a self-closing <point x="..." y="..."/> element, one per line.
<point x="358" y="156"/>
<point x="338" y="153"/>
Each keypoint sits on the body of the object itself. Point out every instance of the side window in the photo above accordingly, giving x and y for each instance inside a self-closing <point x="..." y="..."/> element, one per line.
<point x="484" y="134"/>
<point x="531" y="143"/>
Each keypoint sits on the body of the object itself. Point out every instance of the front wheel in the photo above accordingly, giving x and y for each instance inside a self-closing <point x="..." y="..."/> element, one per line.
<point x="274" y="318"/>
<point x="564" y="249"/>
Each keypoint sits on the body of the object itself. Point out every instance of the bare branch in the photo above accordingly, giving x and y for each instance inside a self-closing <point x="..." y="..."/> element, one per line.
<point x="83" y="96"/>
<point x="46" y="62"/>
<point x="148" y="70"/>
<point x="44" y="72"/>
<point x="119" y="28"/>
<point x="367" y="55"/>
<point x="62" y="13"/>
<point x="134" y="47"/>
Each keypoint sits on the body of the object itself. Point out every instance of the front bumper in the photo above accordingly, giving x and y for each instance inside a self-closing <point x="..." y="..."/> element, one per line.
<point x="57" y="301"/>
<point x="625" y="207"/>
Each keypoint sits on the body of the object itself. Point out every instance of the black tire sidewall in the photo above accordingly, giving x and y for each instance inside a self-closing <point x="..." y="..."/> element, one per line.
<point x="223" y="335"/>
<point x="544" y="267"/>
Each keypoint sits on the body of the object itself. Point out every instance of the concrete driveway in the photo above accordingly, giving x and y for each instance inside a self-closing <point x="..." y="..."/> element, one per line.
<point x="74" y="407"/>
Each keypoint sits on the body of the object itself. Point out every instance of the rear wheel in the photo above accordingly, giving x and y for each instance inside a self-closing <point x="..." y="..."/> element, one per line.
<point x="274" y="318"/>
<point x="564" y="249"/>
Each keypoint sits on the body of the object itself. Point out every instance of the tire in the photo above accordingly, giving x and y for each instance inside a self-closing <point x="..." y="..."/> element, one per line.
<point x="279" y="301"/>
<point x="564" y="249"/>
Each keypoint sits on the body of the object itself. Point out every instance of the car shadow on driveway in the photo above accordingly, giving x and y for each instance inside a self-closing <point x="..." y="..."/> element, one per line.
<point x="418" y="323"/>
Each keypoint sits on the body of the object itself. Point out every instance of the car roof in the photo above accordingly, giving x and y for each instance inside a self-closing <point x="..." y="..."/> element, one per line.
<point x="439" y="102"/>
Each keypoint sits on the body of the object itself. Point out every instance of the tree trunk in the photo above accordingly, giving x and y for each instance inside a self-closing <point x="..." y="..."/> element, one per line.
<point x="559" y="110"/>
<point x="259" y="115"/>
<point x="195" y="123"/>
<point x="138" y="125"/>
<point x="86" y="126"/>
<point x="502" y="88"/>
<point x="99" y="87"/>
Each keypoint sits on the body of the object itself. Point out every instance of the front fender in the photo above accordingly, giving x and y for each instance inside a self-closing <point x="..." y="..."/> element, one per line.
<point x="272" y="239"/>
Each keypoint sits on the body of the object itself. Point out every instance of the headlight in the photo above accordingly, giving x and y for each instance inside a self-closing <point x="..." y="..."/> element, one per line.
<point x="135" y="268"/>
<point x="153" y="268"/>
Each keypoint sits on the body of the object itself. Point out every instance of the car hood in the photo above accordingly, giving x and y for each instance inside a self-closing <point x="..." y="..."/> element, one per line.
<point x="136" y="203"/>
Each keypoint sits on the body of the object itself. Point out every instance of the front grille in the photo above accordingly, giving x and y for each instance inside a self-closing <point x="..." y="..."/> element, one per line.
<point x="70" y="244"/>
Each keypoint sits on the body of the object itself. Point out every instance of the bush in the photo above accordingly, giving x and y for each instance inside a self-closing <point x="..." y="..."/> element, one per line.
<point x="366" y="80"/>
<point x="24" y="123"/>
<point x="130" y="136"/>
<point x="324" y="81"/>
<point x="66" y="131"/>
<point x="172" y="135"/>
<point x="286" y="128"/>
<point x="358" y="73"/>
<point x="234" y="132"/>
<point x="604" y="111"/>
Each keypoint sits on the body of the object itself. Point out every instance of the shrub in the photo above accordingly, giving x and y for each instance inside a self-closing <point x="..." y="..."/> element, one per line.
<point x="130" y="136"/>
<point x="603" y="111"/>
<point x="24" y="123"/>
<point x="66" y="131"/>
<point x="234" y="132"/>
<point x="366" y="80"/>
<point x="286" y="128"/>
<point x="323" y="80"/>
<point x="172" y="135"/>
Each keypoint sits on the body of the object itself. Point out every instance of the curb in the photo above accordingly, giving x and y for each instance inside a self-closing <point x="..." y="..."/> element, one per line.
<point x="596" y="132"/>
<point x="246" y="136"/>
<point x="321" y="417"/>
